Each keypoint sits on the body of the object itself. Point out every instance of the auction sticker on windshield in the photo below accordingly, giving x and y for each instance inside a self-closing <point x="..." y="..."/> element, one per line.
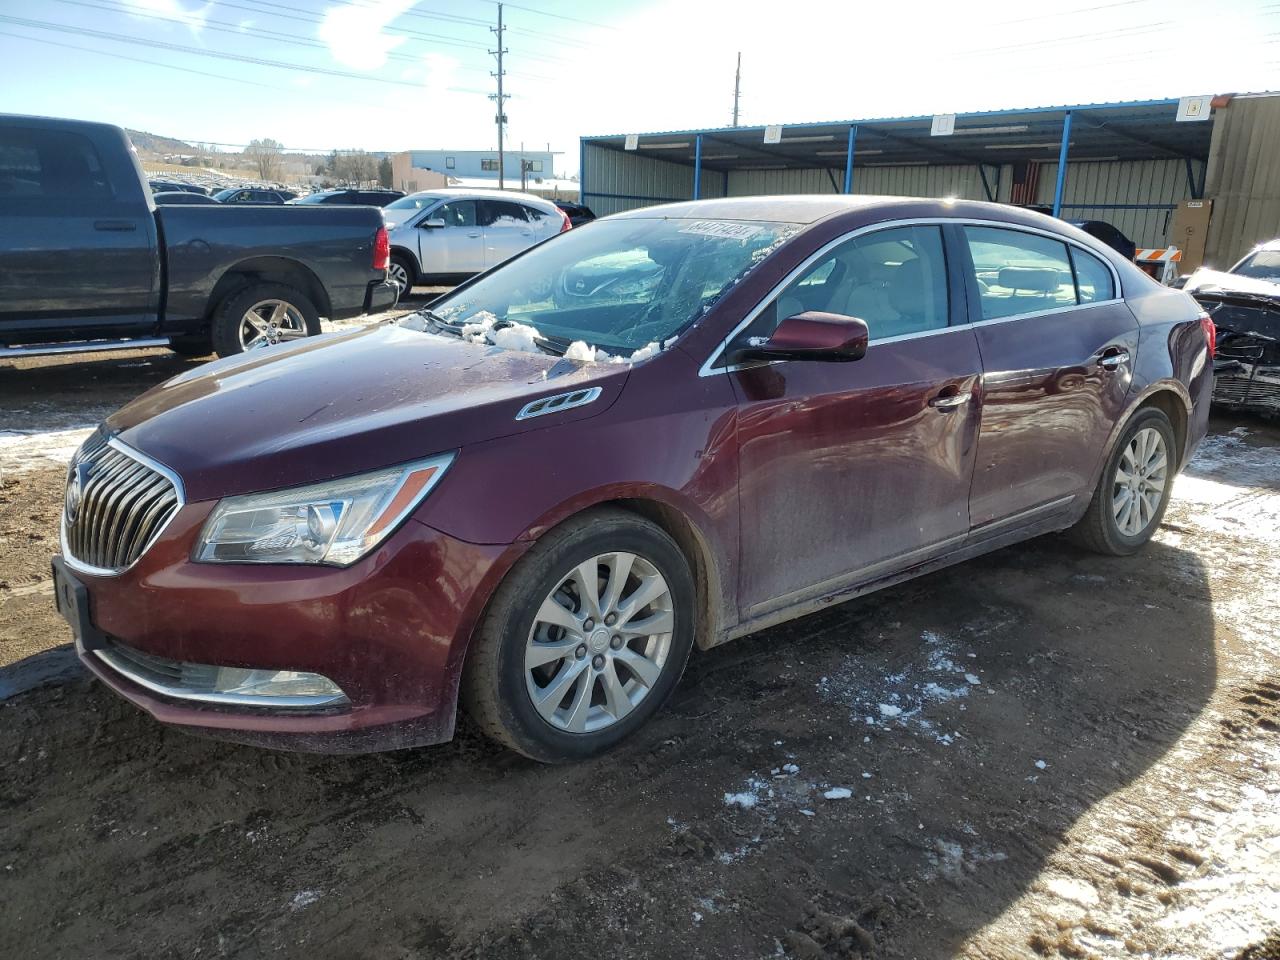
<point x="721" y="229"/>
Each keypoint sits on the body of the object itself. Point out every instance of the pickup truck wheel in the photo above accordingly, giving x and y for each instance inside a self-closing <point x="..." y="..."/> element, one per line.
<point x="262" y="314"/>
<point x="401" y="272"/>
<point x="584" y="639"/>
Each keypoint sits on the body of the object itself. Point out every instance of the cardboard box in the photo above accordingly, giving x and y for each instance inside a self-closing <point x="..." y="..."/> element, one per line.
<point x="1188" y="231"/>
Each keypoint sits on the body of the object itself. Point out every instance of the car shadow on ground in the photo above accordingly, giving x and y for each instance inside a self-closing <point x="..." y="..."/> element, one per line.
<point x="972" y="716"/>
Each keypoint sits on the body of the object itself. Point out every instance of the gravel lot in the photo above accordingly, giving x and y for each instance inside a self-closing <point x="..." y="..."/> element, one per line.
<point x="1042" y="752"/>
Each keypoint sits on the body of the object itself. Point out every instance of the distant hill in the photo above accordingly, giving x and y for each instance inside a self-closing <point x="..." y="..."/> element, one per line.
<point x="151" y="143"/>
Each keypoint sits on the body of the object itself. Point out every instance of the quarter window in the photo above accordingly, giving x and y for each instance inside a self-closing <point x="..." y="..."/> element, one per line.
<point x="1093" y="280"/>
<point x="1019" y="272"/>
<point x="894" y="280"/>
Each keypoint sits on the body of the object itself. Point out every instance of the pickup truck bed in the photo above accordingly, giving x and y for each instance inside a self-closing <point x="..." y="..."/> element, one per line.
<point x="85" y="254"/>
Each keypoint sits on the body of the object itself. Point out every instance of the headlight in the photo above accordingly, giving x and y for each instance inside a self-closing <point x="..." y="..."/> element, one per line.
<point x="336" y="522"/>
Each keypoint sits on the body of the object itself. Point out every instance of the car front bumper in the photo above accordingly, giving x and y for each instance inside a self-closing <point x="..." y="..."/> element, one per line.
<point x="390" y="631"/>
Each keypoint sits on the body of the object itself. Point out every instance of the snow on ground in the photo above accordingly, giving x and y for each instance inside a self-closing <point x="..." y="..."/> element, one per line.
<point x="22" y="450"/>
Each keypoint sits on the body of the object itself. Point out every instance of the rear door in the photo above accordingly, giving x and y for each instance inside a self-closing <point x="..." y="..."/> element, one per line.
<point x="77" y="248"/>
<point x="852" y="470"/>
<point x="507" y="230"/>
<point x="457" y="247"/>
<point x="1057" y="345"/>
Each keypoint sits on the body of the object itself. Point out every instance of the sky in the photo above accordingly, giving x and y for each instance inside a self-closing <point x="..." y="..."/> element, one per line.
<point x="394" y="75"/>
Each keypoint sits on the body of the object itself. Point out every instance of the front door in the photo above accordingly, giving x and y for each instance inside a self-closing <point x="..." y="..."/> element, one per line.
<point x="1057" y="347"/>
<point x="76" y="251"/>
<point x="851" y="470"/>
<point x="455" y="248"/>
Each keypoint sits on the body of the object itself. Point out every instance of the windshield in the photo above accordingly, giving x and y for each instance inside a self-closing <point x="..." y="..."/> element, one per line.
<point x="615" y="287"/>
<point x="412" y="203"/>
<point x="223" y="194"/>
<point x="1262" y="265"/>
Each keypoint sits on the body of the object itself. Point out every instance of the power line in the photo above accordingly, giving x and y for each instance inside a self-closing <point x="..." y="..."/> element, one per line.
<point x="197" y="51"/>
<point x="558" y="16"/>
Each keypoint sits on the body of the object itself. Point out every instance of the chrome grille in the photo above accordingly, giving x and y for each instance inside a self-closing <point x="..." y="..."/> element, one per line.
<point x="117" y="503"/>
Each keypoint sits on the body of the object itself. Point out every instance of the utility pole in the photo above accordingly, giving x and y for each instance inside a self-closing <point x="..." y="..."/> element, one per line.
<point x="500" y="99"/>
<point x="737" y="82"/>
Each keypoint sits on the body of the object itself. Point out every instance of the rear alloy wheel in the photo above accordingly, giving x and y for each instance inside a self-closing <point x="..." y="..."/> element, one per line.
<point x="1134" y="489"/>
<point x="261" y="315"/>
<point x="584" y="640"/>
<point x="400" y="272"/>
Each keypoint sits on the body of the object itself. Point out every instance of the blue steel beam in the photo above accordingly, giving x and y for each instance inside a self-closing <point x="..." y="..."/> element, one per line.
<point x="848" y="160"/>
<point x="1062" y="164"/>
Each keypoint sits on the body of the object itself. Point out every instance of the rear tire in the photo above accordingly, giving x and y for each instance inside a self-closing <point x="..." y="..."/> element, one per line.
<point x="298" y="319"/>
<point x="1134" y="488"/>
<point x="560" y="672"/>
<point x="402" y="273"/>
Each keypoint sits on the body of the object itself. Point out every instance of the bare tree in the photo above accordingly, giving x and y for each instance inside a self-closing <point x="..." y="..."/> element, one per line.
<point x="265" y="155"/>
<point x="353" y="166"/>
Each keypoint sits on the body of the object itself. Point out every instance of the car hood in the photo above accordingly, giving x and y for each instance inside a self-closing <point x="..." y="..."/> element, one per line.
<point x="341" y="404"/>
<point x="1218" y="285"/>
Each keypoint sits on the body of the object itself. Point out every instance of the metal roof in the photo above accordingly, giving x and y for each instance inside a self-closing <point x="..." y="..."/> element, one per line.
<point x="1134" y="130"/>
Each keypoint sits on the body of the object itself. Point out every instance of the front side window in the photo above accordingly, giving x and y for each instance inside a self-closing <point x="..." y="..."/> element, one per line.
<point x="1093" y="279"/>
<point x="1019" y="272"/>
<point x="893" y="280"/>
<point x="620" y="285"/>
<point x="459" y="213"/>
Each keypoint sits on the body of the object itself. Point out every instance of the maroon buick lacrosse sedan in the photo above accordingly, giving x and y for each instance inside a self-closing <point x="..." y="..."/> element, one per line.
<point x="665" y="429"/>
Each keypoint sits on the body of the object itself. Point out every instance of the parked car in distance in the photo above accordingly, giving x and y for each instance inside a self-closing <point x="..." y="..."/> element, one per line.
<point x="447" y="235"/>
<point x="1108" y="233"/>
<point x="173" y="186"/>
<point x="253" y="195"/>
<point x="577" y="213"/>
<point x="178" y="197"/>
<point x="545" y="508"/>
<point x="364" y="198"/>
<point x="89" y="260"/>
<point x="1244" y="303"/>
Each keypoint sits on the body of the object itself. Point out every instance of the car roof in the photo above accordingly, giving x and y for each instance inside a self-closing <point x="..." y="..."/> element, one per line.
<point x="810" y="208"/>
<point x="479" y="193"/>
<point x="1269" y="245"/>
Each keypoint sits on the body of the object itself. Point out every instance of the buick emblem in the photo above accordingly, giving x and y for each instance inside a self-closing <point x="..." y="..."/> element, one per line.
<point x="75" y="489"/>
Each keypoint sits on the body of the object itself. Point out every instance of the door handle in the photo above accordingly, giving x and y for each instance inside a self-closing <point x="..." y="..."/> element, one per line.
<point x="1113" y="359"/>
<point x="115" y="226"/>
<point x="949" y="401"/>
<point x="473" y="234"/>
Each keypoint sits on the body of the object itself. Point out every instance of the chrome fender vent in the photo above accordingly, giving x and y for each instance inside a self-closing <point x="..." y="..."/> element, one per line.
<point x="560" y="401"/>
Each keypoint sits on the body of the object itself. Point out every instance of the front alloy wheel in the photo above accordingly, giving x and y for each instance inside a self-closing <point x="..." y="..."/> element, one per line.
<point x="585" y="638"/>
<point x="599" y="642"/>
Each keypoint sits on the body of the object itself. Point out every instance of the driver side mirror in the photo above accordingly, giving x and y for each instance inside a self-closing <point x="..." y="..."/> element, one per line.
<point x="812" y="335"/>
<point x="433" y="223"/>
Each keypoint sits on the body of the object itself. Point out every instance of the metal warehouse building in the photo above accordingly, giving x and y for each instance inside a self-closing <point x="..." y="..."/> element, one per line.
<point x="1130" y="164"/>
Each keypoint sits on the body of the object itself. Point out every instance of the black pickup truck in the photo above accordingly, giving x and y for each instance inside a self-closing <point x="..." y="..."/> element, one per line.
<point x="88" y="261"/>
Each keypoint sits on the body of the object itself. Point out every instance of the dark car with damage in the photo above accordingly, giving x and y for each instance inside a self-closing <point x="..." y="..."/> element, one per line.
<point x="538" y="508"/>
<point x="1244" y="303"/>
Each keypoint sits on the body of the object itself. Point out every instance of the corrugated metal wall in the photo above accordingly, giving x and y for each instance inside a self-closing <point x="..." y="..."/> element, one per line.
<point x="958" y="180"/>
<point x="1128" y="182"/>
<point x="615" y="180"/>
<point x="1243" y="178"/>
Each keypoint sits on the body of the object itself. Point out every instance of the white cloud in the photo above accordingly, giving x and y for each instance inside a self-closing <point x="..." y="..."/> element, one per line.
<point x="356" y="35"/>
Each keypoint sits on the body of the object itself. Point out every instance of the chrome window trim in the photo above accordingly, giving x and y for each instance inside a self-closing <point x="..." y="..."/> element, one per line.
<point x="709" y="368"/>
<point x="146" y="461"/>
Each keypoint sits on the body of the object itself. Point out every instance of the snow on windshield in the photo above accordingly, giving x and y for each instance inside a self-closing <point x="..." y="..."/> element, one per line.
<point x="615" y="291"/>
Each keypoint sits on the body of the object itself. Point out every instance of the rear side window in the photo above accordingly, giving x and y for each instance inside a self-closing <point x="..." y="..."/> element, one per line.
<point x="1019" y="272"/>
<point x="1093" y="280"/>
<point x="502" y="213"/>
<point x="50" y="163"/>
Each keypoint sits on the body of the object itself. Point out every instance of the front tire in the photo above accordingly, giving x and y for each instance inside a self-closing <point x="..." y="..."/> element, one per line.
<point x="1134" y="488"/>
<point x="262" y="314"/>
<point x="584" y="640"/>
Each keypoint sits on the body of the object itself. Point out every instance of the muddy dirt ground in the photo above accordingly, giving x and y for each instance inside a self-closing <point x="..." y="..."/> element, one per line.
<point x="1039" y="753"/>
